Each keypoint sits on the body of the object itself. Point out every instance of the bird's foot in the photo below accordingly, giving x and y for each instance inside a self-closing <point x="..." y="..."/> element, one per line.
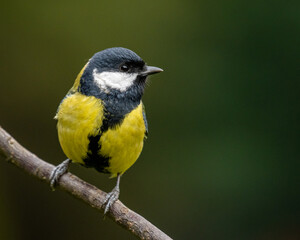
<point x="111" y="198"/>
<point x="57" y="172"/>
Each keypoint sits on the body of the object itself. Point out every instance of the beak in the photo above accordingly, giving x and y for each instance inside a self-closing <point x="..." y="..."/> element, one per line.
<point x="151" y="70"/>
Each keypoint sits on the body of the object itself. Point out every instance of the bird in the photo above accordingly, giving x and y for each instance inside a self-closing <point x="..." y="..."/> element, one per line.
<point x="101" y="122"/>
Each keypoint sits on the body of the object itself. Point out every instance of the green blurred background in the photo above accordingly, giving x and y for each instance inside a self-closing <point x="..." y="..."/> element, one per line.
<point x="222" y="157"/>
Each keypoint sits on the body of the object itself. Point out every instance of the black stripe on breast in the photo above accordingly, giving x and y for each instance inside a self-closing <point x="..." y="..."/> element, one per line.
<point x="93" y="158"/>
<point x="116" y="108"/>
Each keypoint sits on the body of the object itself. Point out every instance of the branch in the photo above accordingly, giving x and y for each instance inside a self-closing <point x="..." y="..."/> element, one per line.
<point x="30" y="163"/>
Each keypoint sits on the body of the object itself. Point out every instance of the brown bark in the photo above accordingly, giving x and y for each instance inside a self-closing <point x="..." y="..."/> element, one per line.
<point x="16" y="154"/>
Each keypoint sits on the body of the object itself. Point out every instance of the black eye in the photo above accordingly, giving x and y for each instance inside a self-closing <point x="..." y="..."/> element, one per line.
<point x="124" y="68"/>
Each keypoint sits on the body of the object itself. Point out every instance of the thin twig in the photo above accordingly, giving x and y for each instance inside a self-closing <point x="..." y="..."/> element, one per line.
<point x="16" y="154"/>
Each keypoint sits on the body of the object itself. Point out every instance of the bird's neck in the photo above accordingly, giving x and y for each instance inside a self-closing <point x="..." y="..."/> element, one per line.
<point x="121" y="103"/>
<point x="116" y="103"/>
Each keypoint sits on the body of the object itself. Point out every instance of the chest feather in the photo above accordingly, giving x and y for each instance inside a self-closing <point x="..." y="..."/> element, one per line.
<point x="124" y="143"/>
<point x="78" y="117"/>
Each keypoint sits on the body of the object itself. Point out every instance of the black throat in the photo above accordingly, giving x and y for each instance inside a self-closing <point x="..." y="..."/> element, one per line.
<point x="116" y="103"/>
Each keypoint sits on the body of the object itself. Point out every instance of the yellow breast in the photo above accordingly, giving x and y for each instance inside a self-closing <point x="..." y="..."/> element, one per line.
<point x="81" y="116"/>
<point x="124" y="143"/>
<point x="78" y="116"/>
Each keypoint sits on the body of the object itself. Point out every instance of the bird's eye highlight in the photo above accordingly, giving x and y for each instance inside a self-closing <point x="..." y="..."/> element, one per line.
<point x="124" y="68"/>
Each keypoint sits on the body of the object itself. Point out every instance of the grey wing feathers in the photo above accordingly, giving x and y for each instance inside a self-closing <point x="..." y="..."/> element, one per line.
<point x="145" y="121"/>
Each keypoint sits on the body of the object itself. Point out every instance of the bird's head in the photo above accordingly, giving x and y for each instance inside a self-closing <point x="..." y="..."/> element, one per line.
<point x="115" y="70"/>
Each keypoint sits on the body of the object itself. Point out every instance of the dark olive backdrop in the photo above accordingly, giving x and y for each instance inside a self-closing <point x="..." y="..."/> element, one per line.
<point x="222" y="157"/>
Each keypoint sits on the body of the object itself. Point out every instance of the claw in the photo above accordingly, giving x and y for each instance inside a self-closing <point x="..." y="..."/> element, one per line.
<point x="57" y="172"/>
<point x="112" y="196"/>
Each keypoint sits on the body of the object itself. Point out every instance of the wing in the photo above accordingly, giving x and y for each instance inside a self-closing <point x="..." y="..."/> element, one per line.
<point x="145" y="121"/>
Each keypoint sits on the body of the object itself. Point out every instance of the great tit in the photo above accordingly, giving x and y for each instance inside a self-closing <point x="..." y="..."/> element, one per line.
<point x="101" y="122"/>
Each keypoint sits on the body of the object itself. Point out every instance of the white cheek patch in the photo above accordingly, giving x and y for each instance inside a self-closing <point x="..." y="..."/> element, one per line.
<point x="115" y="80"/>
